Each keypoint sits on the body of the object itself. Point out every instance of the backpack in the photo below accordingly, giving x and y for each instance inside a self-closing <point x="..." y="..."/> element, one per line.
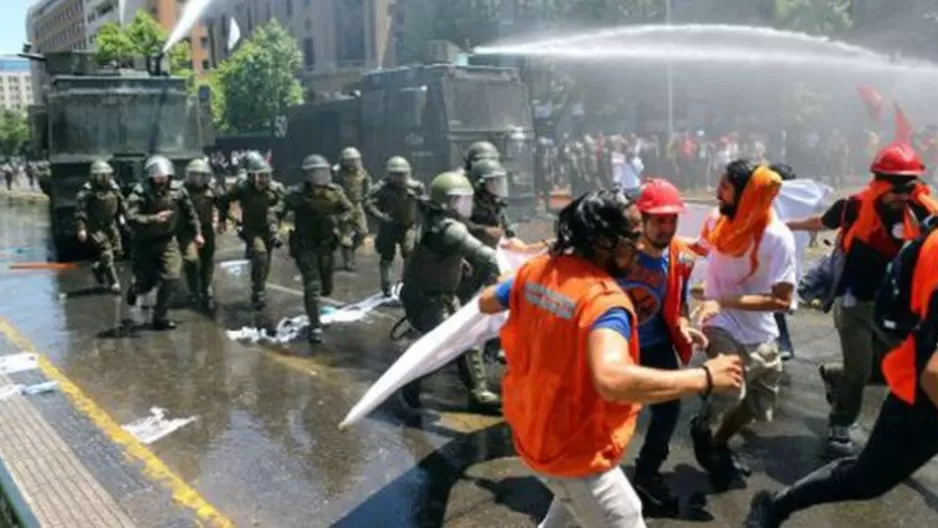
<point x="893" y="314"/>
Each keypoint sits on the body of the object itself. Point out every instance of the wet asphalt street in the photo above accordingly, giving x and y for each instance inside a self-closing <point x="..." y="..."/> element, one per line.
<point x="265" y="450"/>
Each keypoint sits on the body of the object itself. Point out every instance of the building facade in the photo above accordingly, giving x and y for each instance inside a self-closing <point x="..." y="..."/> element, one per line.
<point x="16" y="88"/>
<point x="73" y="25"/>
<point x="339" y="39"/>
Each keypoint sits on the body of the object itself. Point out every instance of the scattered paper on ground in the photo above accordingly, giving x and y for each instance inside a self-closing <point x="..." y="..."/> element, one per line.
<point x="152" y="428"/>
<point x="18" y="363"/>
<point x="9" y="391"/>
<point x="289" y="329"/>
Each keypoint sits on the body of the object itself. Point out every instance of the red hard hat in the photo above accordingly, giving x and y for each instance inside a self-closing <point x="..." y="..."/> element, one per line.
<point x="659" y="197"/>
<point x="898" y="159"/>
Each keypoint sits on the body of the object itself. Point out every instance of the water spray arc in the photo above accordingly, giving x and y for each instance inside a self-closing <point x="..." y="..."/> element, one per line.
<point x="190" y="17"/>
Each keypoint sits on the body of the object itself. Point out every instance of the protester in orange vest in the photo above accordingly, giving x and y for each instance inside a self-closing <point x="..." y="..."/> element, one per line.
<point x="657" y="286"/>
<point x="750" y="275"/>
<point x="573" y="385"/>
<point x="905" y="436"/>
<point x="873" y="226"/>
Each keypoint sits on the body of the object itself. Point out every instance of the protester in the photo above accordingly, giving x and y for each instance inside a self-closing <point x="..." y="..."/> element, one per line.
<point x="657" y="286"/>
<point x="750" y="275"/>
<point x="573" y="387"/>
<point x="873" y="225"/>
<point x="905" y="436"/>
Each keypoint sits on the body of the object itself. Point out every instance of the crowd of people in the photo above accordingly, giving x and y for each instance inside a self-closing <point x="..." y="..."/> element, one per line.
<point x="600" y="321"/>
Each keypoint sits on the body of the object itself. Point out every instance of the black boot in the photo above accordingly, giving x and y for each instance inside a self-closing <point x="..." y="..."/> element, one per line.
<point x="762" y="512"/>
<point x="481" y="399"/>
<point x="384" y="269"/>
<point x="657" y="500"/>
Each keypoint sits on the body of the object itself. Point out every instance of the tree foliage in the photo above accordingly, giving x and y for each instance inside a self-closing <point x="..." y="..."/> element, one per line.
<point x="144" y="37"/>
<point x="14" y="132"/>
<point x="823" y="17"/>
<point x="259" y="81"/>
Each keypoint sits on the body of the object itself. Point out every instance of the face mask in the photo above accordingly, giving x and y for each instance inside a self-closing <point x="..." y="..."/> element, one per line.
<point x="319" y="177"/>
<point x="261" y="180"/>
<point x="398" y="179"/>
<point x="197" y="179"/>
<point x="462" y="205"/>
<point x="497" y="186"/>
<point x="101" y="179"/>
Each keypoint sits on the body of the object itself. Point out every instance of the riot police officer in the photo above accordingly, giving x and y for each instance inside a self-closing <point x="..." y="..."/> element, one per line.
<point x="394" y="203"/>
<point x="433" y="274"/>
<point x="480" y="150"/>
<point x="156" y="210"/>
<point x="356" y="182"/>
<point x="100" y="207"/>
<point x="261" y="200"/>
<point x="320" y="210"/>
<point x="198" y="262"/>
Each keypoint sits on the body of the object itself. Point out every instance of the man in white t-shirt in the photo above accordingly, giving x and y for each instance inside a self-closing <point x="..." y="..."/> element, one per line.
<point x="751" y="276"/>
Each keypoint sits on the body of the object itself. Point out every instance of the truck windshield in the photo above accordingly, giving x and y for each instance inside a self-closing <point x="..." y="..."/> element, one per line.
<point x="485" y="105"/>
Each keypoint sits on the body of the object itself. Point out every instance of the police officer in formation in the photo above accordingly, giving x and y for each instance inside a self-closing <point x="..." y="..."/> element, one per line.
<point x="394" y="204"/>
<point x="434" y="272"/>
<point x="158" y="209"/>
<point x="99" y="210"/>
<point x="198" y="261"/>
<point x="320" y="212"/>
<point x="356" y="182"/>
<point x="261" y="200"/>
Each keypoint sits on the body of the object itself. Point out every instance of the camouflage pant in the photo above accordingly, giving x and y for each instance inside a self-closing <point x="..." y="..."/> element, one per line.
<point x="258" y="252"/>
<point x="426" y="311"/>
<point x="157" y="263"/>
<point x="355" y="231"/>
<point x="107" y="245"/>
<point x="199" y="262"/>
<point x="317" y="267"/>
<point x="393" y="237"/>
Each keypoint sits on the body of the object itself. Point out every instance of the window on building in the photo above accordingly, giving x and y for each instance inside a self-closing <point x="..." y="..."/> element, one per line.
<point x="289" y="8"/>
<point x="205" y="65"/>
<point x="350" y="32"/>
<point x="309" y="52"/>
<point x="309" y="24"/>
<point x="204" y="42"/>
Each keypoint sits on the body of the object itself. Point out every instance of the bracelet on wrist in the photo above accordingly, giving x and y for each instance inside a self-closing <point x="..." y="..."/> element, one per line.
<point x="709" y="388"/>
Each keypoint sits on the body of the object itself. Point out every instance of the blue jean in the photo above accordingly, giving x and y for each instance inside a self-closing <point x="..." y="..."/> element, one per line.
<point x="664" y="415"/>
<point x="784" y="338"/>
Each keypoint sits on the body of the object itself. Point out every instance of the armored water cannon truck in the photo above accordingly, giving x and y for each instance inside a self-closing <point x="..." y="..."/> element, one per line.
<point x="87" y="112"/>
<point x="429" y="113"/>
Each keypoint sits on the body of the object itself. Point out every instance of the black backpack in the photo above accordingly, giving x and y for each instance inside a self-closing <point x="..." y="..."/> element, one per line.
<point x="893" y="314"/>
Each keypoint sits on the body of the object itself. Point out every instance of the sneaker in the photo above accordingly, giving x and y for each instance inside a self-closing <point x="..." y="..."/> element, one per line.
<point x="838" y="439"/>
<point x="762" y="512"/>
<point x="315" y="336"/>
<point x="786" y="354"/>
<point x="657" y="500"/>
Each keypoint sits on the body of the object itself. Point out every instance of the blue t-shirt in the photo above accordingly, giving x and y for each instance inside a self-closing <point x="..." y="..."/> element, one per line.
<point x="614" y="318"/>
<point x="647" y="286"/>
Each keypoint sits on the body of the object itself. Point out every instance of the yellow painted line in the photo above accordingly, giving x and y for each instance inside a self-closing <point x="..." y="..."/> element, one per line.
<point x="153" y="467"/>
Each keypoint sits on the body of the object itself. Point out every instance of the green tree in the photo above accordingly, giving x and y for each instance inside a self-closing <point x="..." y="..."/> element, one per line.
<point x="823" y="17"/>
<point x="143" y="37"/>
<point x="14" y="132"/>
<point x="259" y="81"/>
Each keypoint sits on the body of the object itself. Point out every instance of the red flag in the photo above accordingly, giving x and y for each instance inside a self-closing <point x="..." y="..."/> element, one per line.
<point x="903" y="127"/>
<point x="873" y="101"/>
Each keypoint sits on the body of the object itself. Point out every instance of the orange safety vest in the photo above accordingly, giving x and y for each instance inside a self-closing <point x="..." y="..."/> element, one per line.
<point x="900" y="366"/>
<point x="875" y="236"/>
<point x="680" y="267"/>
<point x="560" y="424"/>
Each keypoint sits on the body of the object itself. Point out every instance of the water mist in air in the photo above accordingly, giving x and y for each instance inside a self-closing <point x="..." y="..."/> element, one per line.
<point x="190" y="16"/>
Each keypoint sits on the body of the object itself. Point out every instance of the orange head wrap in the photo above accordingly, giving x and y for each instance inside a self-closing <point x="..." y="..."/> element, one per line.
<point x="868" y="218"/>
<point x="744" y="231"/>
